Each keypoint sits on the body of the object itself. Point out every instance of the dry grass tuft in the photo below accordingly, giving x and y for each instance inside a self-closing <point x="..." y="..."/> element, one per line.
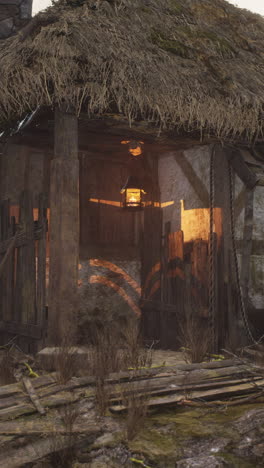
<point x="195" y="339"/>
<point x="115" y="350"/>
<point x="135" y="355"/>
<point x="66" y="364"/>
<point x="63" y="455"/>
<point x="135" y="398"/>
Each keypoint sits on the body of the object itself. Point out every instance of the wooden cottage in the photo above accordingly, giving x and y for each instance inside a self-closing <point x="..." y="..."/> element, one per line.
<point x="131" y="169"/>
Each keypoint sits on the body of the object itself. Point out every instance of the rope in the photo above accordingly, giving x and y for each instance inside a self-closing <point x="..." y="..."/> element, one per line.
<point x="212" y="256"/>
<point x="239" y="289"/>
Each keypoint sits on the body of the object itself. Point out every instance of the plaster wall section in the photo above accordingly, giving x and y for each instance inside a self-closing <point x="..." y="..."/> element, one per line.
<point x="179" y="174"/>
<point x="14" y="14"/>
<point x="256" y="289"/>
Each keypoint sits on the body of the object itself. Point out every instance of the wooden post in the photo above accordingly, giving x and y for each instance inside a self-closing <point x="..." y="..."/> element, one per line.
<point x="200" y="273"/>
<point x="25" y="300"/>
<point x="247" y="244"/>
<point x="64" y="230"/>
<point x="227" y="321"/>
<point x="41" y="265"/>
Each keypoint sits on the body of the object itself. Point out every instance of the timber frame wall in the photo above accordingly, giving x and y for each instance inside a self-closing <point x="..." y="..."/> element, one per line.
<point x="167" y="294"/>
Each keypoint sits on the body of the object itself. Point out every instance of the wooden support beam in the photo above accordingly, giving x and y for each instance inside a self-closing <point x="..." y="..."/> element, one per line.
<point x="260" y="181"/>
<point x="64" y="229"/>
<point x="225" y="280"/>
<point x="241" y="169"/>
<point x="247" y="244"/>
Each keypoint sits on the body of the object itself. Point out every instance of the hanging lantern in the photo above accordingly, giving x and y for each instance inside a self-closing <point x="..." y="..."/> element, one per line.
<point x="134" y="147"/>
<point x="133" y="194"/>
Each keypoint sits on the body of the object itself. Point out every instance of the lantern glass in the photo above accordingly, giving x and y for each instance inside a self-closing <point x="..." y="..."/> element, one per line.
<point x="132" y="194"/>
<point x="133" y="197"/>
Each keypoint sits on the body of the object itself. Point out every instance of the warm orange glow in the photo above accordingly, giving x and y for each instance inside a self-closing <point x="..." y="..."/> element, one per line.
<point x="196" y="223"/>
<point x="177" y="272"/>
<point x="135" y="147"/>
<point x="103" y="280"/>
<point x="112" y="267"/>
<point x="155" y="288"/>
<point x="133" y="197"/>
<point x="159" y="205"/>
<point x="135" y="151"/>
<point x="104" y="202"/>
<point x="165" y="204"/>
<point x="154" y="270"/>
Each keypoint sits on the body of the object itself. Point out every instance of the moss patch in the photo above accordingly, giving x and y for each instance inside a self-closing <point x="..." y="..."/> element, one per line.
<point x="165" y="436"/>
<point x="176" y="6"/>
<point x="173" y="46"/>
<point x="234" y="461"/>
<point x="158" y="447"/>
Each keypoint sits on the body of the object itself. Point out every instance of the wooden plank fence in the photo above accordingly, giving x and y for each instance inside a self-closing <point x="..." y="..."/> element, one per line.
<point x="185" y="280"/>
<point x="23" y="273"/>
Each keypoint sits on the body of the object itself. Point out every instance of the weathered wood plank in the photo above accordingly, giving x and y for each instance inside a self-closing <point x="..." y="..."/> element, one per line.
<point x="64" y="218"/>
<point x="176" y="278"/>
<point x="247" y="241"/>
<point x="200" y="273"/>
<point x="4" y="230"/>
<point x="12" y="389"/>
<point x="22" y="329"/>
<point x="148" y="389"/>
<point x="41" y="264"/>
<point x="8" y="253"/>
<point x="38" y="427"/>
<point x="23" y="238"/>
<point x="206" y="395"/>
<point x="49" y="402"/>
<point x="158" y="306"/>
<point x="25" y="300"/>
<point x="33" y="396"/>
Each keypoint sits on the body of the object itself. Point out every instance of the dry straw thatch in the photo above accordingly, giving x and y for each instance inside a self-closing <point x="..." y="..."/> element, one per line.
<point x="178" y="63"/>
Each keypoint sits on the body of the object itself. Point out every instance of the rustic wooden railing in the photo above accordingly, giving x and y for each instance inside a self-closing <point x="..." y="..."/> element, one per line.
<point x="23" y="273"/>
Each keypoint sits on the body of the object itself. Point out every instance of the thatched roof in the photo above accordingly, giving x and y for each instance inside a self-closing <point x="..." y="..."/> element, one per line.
<point x="190" y="63"/>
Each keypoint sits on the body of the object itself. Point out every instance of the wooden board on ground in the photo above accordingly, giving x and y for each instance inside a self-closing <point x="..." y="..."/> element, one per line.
<point x="208" y="380"/>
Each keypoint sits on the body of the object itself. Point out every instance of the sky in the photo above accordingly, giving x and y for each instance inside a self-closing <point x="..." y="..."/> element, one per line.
<point x="254" y="5"/>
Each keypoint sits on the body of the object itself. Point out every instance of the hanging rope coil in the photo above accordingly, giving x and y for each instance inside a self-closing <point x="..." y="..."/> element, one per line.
<point x="237" y="277"/>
